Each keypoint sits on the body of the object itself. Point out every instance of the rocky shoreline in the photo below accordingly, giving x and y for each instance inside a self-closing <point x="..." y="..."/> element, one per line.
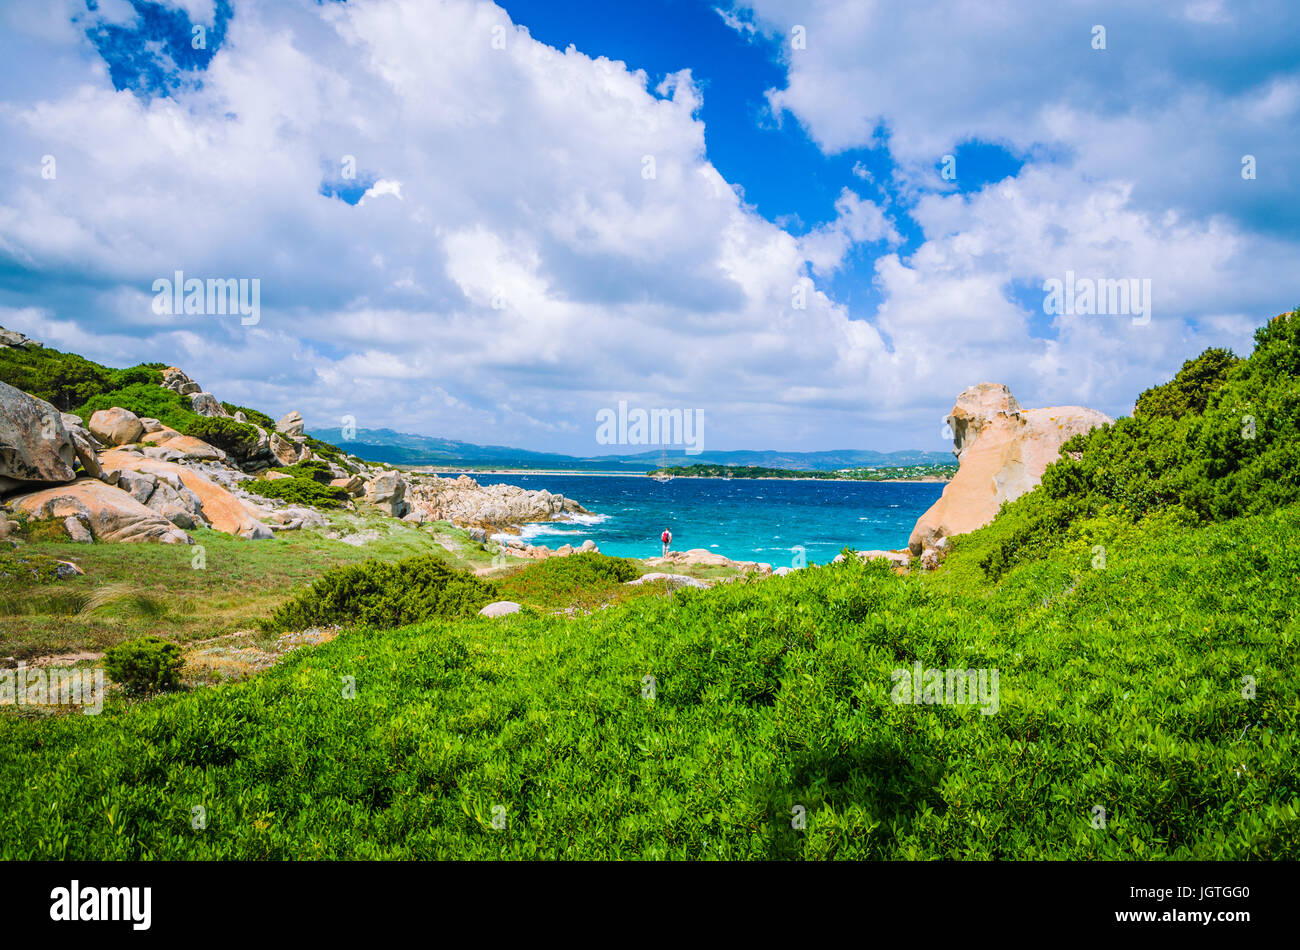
<point x="118" y="477"/>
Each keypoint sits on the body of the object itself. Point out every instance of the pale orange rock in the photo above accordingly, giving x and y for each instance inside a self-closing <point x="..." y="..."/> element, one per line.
<point x="110" y="513"/>
<point x="1002" y="451"/>
<point x="225" y="512"/>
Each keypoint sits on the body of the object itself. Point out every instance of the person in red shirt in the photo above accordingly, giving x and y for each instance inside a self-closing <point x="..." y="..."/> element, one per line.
<point x="667" y="539"/>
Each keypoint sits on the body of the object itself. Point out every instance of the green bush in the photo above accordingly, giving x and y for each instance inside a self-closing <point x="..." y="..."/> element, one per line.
<point x="1189" y="391"/>
<point x="582" y="580"/>
<point x="314" y="469"/>
<point x="326" y="451"/>
<point x="299" y="491"/>
<point x="145" y="400"/>
<point x="253" y="416"/>
<point x="238" y="438"/>
<point x="145" y="665"/>
<point x="1119" y="686"/>
<point x="384" y="594"/>
<point x="65" y="379"/>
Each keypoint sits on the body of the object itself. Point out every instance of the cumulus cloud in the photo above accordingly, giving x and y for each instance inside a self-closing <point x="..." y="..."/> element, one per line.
<point x="462" y="231"/>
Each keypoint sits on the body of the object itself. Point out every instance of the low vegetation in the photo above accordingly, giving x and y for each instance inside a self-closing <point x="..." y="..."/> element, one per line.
<point x="767" y="697"/>
<point x="298" y="490"/>
<point x="145" y="665"/>
<point x="384" y="594"/>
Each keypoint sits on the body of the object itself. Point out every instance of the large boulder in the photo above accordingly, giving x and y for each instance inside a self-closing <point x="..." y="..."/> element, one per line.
<point x="354" y="485"/>
<point x="116" y="426"/>
<point x="291" y="425"/>
<point x="285" y="450"/>
<point x="388" y="491"/>
<point x="110" y="513"/>
<point x="220" y="507"/>
<point x="35" y="447"/>
<point x="14" y="338"/>
<point x="1002" y="451"/>
<point x="189" y="448"/>
<point x="205" y="404"/>
<point x="178" y="382"/>
<point x="85" y="444"/>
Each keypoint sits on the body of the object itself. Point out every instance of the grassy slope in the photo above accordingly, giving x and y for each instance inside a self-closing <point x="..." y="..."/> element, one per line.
<point x="1120" y="687"/>
<point x="243" y="581"/>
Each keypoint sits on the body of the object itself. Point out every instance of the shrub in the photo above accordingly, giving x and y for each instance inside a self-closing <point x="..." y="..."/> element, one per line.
<point x="253" y="416"/>
<point x="145" y="665"/>
<point x="145" y="400"/>
<point x="65" y="379"/>
<point x="326" y="451"/>
<point x="299" y="491"/>
<point x="238" y="438"/>
<point x="1189" y="391"/>
<point x="583" y="580"/>
<point x="384" y="594"/>
<point x="314" y="469"/>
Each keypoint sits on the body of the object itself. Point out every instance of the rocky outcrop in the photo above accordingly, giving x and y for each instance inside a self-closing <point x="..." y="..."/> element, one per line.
<point x="291" y="425"/>
<point x="465" y="502"/>
<point x="14" y="338"/>
<point x="116" y="426"/>
<point x="354" y="485"/>
<point x="35" y="448"/>
<point x="178" y="382"/>
<point x="388" y="492"/>
<point x="165" y="493"/>
<point x="220" y="507"/>
<point x="109" y="513"/>
<point x="1003" y="451"/>
<point x="502" y="608"/>
<point x="707" y="558"/>
<point x="86" y="445"/>
<point x="205" y="404"/>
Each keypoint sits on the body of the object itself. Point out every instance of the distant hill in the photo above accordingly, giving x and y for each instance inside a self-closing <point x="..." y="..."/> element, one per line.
<point x="402" y="448"/>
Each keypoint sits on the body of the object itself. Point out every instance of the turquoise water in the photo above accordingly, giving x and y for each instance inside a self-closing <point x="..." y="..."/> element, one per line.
<point x="744" y="519"/>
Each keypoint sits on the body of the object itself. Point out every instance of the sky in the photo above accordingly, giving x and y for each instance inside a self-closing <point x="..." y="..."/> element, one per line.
<point x="812" y="223"/>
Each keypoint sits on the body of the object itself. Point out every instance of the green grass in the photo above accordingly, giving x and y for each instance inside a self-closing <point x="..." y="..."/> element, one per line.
<point x="242" y="583"/>
<point x="1121" y="687"/>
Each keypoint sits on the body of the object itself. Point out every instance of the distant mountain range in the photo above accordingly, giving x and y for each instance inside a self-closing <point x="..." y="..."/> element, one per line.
<point x="402" y="448"/>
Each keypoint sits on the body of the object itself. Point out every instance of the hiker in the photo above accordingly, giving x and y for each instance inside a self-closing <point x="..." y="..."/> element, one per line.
<point x="667" y="539"/>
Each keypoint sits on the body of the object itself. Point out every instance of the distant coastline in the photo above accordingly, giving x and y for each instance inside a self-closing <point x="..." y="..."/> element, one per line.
<point x="475" y="473"/>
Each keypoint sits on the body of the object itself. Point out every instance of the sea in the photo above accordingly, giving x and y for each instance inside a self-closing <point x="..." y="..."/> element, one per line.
<point x="776" y="521"/>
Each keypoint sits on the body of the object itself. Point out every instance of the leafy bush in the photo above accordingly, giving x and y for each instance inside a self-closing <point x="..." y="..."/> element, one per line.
<point x="238" y="438"/>
<point x="326" y="451"/>
<point x="582" y="580"/>
<point x="1189" y="391"/>
<point x="65" y="379"/>
<point x="314" y="469"/>
<point x="253" y="416"/>
<point x="145" y="665"/>
<point x="145" y="400"/>
<point x="384" y="594"/>
<point x="299" y="491"/>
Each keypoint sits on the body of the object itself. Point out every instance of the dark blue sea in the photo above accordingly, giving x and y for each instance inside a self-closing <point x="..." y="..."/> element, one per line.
<point x="744" y="519"/>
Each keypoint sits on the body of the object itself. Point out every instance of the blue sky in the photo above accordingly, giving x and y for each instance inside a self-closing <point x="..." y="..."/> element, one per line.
<point x="448" y="210"/>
